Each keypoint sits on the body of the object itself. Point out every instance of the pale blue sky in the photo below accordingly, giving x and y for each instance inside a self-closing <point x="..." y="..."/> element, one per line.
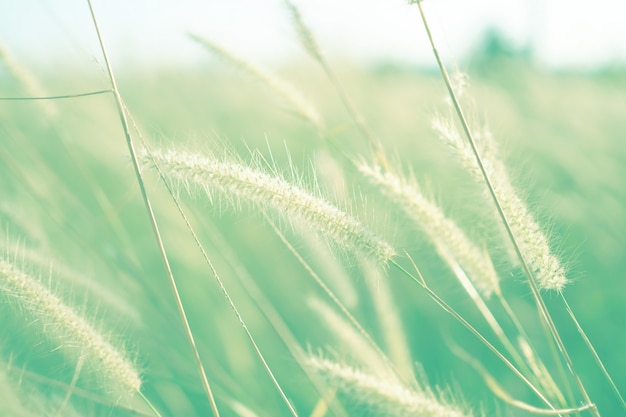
<point x="563" y="32"/>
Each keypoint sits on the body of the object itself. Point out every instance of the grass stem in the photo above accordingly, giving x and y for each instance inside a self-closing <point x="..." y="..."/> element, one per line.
<point x="310" y="44"/>
<point x="220" y="283"/>
<point x="155" y="227"/>
<point x="531" y="279"/>
<point x="447" y="308"/>
<point x="593" y="351"/>
<point x="64" y="96"/>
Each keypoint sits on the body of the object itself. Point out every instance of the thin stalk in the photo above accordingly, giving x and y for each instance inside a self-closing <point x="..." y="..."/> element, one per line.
<point x="155" y="227"/>
<point x="72" y="386"/>
<point x="76" y="391"/>
<point x="501" y="393"/>
<point x="447" y="308"/>
<point x="531" y="279"/>
<point x="487" y="314"/>
<point x="497" y="329"/>
<point x="269" y="311"/>
<point x="334" y="298"/>
<point x="230" y="301"/>
<point x="593" y="351"/>
<point x="149" y="404"/>
<point x="311" y="45"/>
<point x="522" y="333"/>
<point x="90" y="93"/>
<point x="358" y="120"/>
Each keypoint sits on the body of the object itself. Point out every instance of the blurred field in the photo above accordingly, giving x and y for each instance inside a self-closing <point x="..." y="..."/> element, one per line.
<point x="70" y="204"/>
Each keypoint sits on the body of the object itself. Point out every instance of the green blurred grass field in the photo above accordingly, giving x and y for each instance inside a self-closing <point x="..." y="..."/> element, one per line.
<point x="71" y="210"/>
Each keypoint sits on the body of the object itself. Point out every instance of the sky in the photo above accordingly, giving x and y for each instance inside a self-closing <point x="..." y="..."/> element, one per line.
<point x="562" y="33"/>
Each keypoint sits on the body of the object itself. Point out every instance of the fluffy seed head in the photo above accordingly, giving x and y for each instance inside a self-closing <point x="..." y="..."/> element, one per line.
<point x="443" y="232"/>
<point x="63" y="324"/>
<point x="387" y="397"/>
<point x="532" y="241"/>
<point x="238" y="183"/>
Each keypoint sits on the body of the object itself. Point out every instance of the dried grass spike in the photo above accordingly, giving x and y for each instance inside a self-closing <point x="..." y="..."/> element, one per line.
<point x="238" y="183"/>
<point x="448" y="238"/>
<point x="386" y="397"/>
<point x="62" y="323"/>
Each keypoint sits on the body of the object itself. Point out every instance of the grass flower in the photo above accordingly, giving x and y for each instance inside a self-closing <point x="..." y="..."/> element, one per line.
<point x="384" y="396"/>
<point x="448" y="238"/>
<point x="63" y="324"/>
<point x="238" y="183"/>
<point x="531" y="239"/>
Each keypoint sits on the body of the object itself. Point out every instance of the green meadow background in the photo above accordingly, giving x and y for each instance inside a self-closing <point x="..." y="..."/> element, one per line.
<point x="71" y="213"/>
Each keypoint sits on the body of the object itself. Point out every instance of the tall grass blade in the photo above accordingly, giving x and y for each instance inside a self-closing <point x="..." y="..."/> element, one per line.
<point x="155" y="227"/>
<point x="220" y="283"/>
<point x="593" y="351"/>
<point x="458" y="317"/>
<point x="311" y="45"/>
<point x="533" y="284"/>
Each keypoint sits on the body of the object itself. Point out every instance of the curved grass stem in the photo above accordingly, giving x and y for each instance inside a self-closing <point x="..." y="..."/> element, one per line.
<point x="268" y="309"/>
<point x="220" y="283"/>
<point x="310" y="44"/>
<point x="531" y="279"/>
<point x="593" y="352"/>
<point x="87" y="94"/>
<point x="488" y="316"/>
<point x="547" y="380"/>
<point x="155" y="227"/>
<point x="501" y="393"/>
<point x="149" y="404"/>
<point x="353" y="321"/>
<point x="446" y="307"/>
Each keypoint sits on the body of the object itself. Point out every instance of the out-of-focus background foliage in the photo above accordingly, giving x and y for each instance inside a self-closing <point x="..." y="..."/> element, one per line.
<point x="70" y="204"/>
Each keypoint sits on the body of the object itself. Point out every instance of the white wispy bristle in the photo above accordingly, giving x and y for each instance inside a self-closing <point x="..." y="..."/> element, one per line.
<point x="238" y="183"/>
<point x="386" y="397"/>
<point x="445" y="234"/>
<point x="62" y="323"/>
<point x="532" y="241"/>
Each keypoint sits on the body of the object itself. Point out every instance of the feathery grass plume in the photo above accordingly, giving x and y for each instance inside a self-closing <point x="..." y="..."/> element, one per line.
<point x="286" y="92"/>
<point x="532" y="241"/>
<point x="238" y="183"/>
<point x="382" y="396"/>
<point x="106" y="296"/>
<point x="528" y="270"/>
<point x="448" y="238"/>
<point x="62" y="323"/>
